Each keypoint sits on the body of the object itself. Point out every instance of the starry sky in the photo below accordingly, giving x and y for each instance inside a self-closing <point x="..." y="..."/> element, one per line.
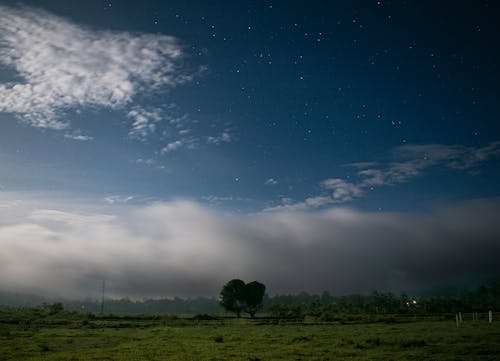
<point x="169" y="146"/>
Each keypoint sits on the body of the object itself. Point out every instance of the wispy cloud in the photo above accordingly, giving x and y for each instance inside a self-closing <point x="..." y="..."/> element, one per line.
<point x="271" y="182"/>
<point x="172" y="146"/>
<point x="185" y="140"/>
<point x="78" y="136"/>
<point x="68" y="218"/>
<point x="147" y="161"/>
<point x="224" y="137"/>
<point x="114" y="199"/>
<point x="452" y="156"/>
<point x="214" y="200"/>
<point x="342" y="191"/>
<point x="288" y="204"/>
<point x="414" y="159"/>
<point x="64" y="65"/>
<point x="411" y="161"/>
<point x="144" y="121"/>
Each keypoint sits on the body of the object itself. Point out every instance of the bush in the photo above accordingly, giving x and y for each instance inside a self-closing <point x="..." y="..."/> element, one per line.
<point x="204" y="317"/>
<point x="53" y="308"/>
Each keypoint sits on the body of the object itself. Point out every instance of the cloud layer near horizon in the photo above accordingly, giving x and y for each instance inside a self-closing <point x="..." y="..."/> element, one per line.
<point x="182" y="248"/>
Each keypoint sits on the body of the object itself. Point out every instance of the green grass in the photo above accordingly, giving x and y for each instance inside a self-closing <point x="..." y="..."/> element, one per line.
<point x="75" y="337"/>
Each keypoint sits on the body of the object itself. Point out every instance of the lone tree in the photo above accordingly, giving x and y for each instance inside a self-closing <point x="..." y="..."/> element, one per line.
<point x="254" y="294"/>
<point x="236" y="296"/>
<point x="232" y="296"/>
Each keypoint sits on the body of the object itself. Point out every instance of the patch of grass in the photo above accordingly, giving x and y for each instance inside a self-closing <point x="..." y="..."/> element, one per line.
<point x="301" y="339"/>
<point x="123" y="338"/>
<point x="373" y="341"/>
<point x="413" y="343"/>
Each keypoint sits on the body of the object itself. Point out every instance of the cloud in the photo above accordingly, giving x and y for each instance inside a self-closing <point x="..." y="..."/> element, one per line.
<point x="78" y="136"/>
<point x="183" y="248"/>
<point x="63" y="65"/>
<point x="216" y="201"/>
<point x="186" y="140"/>
<point x="309" y="203"/>
<point x="271" y="182"/>
<point x="342" y="191"/>
<point x="334" y="191"/>
<point x="51" y="216"/>
<point x="452" y="156"/>
<point x="414" y="159"/>
<point x="144" y="121"/>
<point x="172" y="146"/>
<point x="411" y="161"/>
<point x="113" y="199"/>
<point x="224" y="137"/>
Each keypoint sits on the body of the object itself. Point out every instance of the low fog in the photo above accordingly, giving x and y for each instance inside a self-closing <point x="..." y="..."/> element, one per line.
<point x="182" y="248"/>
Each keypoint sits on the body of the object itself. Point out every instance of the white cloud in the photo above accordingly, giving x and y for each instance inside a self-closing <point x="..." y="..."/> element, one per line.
<point x="147" y="161"/>
<point x="412" y="161"/>
<point x="271" y="182"/>
<point x="65" y="65"/>
<point x="144" y="121"/>
<point x="67" y="218"/>
<point x="78" y="136"/>
<point x="182" y="248"/>
<point x="172" y="146"/>
<point x="216" y="201"/>
<point x="181" y="137"/>
<point x="224" y="137"/>
<point x="113" y="199"/>
<point x="288" y="205"/>
<point x="452" y="156"/>
<point x="342" y="191"/>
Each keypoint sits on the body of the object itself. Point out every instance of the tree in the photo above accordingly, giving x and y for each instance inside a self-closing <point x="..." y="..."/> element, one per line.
<point x="232" y="296"/>
<point x="236" y="296"/>
<point x="53" y="308"/>
<point x="254" y="294"/>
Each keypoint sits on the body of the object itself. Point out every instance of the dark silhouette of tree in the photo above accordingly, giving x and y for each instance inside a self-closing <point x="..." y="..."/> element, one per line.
<point x="236" y="296"/>
<point x="254" y="294"/>
<point x="232" y="296"/>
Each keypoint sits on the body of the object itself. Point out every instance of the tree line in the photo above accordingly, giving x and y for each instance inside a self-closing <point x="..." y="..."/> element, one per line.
<point x="481" y="299"/>
<point x="484" y="298"/>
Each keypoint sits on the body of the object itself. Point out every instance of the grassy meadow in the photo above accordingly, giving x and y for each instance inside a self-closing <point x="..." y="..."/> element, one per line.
<point x="73" y="336"/>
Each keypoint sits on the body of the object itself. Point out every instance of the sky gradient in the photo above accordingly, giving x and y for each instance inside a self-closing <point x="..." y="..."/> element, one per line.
<point x="169" y="147"/>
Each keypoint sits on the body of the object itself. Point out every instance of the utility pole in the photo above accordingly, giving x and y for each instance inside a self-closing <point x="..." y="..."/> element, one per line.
<point x="102" y="299"/>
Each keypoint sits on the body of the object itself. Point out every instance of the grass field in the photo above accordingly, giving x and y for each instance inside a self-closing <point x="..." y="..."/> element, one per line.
<point x="78" y="337"/>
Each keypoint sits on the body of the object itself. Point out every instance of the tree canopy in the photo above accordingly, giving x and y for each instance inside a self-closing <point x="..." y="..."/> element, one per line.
<point x="236" y="296"/>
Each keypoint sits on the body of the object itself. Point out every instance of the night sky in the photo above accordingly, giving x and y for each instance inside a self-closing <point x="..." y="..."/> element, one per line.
<point x="168" y="146"/>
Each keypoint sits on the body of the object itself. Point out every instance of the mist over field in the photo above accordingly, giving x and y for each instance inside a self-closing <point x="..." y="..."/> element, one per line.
<point x="182" y="248"/>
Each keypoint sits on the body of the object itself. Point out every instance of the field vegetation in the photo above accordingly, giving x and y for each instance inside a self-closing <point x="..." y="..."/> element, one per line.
<point x="378" y="326"/>
<point x="51" y="334"/>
